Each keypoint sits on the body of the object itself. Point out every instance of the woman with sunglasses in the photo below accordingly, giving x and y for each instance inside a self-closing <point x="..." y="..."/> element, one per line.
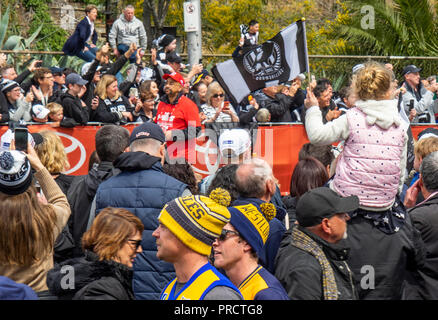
<point x="217" y="109"/>
<point x="105" y="272"/>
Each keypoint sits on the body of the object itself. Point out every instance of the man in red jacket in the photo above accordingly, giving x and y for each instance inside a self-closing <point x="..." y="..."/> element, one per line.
<point x="178" y="116"/>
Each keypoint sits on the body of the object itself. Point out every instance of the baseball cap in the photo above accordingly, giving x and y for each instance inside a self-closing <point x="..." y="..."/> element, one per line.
<point x="147" y="130"/>
<point x="173" y="57"/>
<point x="236" y="140"/>
<point x="320" y="203"/>
<point x="39" y="111"/>
<point x="410" y="69"/>
<point x="56" y="70"/>
<point x="175" y="76"/>
<point x="74" y="78"/>
<point x="6" y="138"/>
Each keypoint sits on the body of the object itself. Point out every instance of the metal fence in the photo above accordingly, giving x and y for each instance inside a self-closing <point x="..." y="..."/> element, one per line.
<point x="337" y="68"/>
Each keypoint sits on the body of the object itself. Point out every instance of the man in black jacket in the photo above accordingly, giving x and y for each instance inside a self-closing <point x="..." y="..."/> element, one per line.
<point x="73" y="106"/>
<point x="310" y="264"/>
<point x="111" y="141"/>
<point x="425" y="219"/>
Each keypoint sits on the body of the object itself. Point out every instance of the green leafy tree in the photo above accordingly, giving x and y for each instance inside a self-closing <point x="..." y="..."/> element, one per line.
<point x="400" y="28"/>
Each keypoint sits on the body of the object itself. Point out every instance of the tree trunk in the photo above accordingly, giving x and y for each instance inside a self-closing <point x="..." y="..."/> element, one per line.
<point x="147" y="24"/>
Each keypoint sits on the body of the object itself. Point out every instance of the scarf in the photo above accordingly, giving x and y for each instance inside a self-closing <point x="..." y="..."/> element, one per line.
<point x="302" y="241"/>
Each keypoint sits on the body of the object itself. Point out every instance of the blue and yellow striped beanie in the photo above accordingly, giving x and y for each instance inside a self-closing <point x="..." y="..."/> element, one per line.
<point x="197" y="220"/>
<point x="252" y="222"/>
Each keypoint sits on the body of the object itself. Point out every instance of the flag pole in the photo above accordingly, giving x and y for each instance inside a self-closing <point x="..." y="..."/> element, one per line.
<point x="307" y="54"/>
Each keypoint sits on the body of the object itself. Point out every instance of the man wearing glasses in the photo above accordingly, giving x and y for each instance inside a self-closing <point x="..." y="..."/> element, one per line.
<point x="178" y="117"/>
<point x="237" y="249"/>
<point x="188" y="227"/>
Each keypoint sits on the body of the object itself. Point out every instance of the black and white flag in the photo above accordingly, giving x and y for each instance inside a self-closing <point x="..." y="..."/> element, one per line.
<point x="276" y="61"/>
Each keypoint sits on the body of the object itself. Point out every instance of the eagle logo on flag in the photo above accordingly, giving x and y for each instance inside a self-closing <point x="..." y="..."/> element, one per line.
<point x="264" y="62"/>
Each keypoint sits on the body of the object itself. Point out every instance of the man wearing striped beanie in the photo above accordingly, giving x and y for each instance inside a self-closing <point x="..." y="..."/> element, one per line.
<point x="238" y="248"/>
<point x="188" y="227"/>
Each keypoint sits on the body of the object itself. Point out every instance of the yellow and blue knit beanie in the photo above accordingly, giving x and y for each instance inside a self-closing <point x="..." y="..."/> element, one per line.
<point x="197" y="220"/>
<point x="252" y="222"/>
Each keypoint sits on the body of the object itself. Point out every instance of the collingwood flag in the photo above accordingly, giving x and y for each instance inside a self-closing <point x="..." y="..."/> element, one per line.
<point x="278" y="60"/>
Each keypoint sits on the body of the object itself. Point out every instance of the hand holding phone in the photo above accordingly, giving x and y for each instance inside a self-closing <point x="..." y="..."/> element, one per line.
<point x="20" y="138"/>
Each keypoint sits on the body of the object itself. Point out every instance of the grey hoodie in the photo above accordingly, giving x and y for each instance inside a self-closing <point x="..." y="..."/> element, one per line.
<point x="126" y="32"/>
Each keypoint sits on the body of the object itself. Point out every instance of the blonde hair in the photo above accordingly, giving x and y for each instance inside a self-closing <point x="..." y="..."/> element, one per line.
<point x="425" y="146"/>
<point x="51" y="152"/>
<point x="372" y="82"/>
<point x="110" y="231"/>
<point x="103" y="84"/>
<point x="212" y="89"/>
<point x="54" y="108"/>
<point x="27" y="228"/>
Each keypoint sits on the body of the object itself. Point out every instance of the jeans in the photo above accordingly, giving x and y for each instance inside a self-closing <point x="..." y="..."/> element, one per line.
<point x="122" y="48"/>
<point x="88" y="55"/>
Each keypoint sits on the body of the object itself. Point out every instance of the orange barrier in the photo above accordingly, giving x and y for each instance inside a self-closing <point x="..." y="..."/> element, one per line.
<point x="278" y="145"/>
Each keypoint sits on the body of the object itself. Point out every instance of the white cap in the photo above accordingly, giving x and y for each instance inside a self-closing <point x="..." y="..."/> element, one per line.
<point x="6" y="138"/>
<point x="236" y="140"/>
<point x="40" y="111"/>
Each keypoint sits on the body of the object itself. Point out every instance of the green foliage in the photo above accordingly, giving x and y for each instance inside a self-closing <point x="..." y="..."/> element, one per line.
<point x="51" y="36"/>
<point x="403" y="28"/>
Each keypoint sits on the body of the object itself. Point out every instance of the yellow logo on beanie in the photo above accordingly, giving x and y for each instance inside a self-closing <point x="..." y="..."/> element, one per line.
<point x="256" y="218"/>
<point x="196" y="220"/>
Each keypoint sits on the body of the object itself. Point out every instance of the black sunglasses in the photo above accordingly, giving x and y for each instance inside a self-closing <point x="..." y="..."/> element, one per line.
<point x="217" y="95"/>
<point x="137" y="243"/>
<point x="224" y="234"/>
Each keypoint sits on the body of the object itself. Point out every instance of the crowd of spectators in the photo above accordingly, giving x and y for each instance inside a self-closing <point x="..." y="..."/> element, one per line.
<point x="143" y="225"/>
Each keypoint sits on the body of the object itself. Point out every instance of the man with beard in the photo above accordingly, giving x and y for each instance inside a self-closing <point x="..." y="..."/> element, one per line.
<point x="178" y="117"/>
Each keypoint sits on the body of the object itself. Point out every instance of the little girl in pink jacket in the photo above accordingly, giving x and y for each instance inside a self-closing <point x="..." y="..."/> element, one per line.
<point x="372" y="165"/>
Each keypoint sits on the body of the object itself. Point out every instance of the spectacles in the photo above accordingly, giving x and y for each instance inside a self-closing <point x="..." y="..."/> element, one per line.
<point x="218" y="95"/>
<point x="224" y="234"/>
<point x="137" y="243"/>
<point x="49" y="77"/>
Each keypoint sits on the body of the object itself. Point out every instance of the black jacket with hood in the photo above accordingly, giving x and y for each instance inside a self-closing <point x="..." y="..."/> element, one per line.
<point x="91" y="279"/>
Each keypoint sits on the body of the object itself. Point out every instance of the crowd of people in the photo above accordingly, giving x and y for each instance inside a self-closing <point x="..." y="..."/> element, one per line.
<point x="359" y="222"/>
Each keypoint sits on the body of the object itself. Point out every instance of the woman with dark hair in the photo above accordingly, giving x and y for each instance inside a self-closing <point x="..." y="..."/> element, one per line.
<point x="105" y="273"/>
<point x="183" y="172"/>
<point x="225" y="178"/>
<point x="308" y="174"/>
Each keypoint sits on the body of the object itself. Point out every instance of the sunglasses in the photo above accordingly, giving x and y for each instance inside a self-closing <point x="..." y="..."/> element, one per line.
<point x="217" y="95"/>
<point x="224" y="234"/>
<point x="137" y="243"/>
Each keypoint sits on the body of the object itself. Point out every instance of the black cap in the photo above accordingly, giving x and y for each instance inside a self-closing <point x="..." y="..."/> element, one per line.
<point x="74" y="78"/>
<point x="410" y="69"/>
<point x="321" y="203"/>
<point x="173" y="57"/>
<point x="147" y="130"/>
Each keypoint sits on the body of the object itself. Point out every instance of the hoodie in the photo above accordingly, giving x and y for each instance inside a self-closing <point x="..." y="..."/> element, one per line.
<point x="126" y="32"/>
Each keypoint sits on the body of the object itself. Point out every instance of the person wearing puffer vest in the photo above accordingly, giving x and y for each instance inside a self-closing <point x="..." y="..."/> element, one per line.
<point x="143" y="188"/>
<point x="372" y="167"/>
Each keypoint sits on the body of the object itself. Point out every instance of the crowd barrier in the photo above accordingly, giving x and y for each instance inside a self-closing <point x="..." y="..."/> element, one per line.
<point x="278" y="144"/>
